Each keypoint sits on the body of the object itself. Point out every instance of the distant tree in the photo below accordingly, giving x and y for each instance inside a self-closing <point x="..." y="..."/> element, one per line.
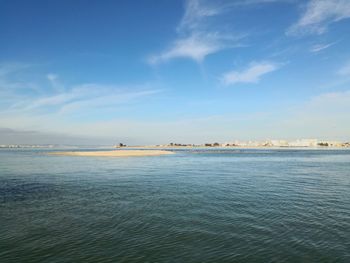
<point x="323" y="144"/>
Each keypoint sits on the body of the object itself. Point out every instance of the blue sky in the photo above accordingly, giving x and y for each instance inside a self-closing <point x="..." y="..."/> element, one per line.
<point x="186" y="71"/>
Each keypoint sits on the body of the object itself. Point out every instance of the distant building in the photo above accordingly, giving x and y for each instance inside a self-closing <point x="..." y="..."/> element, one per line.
<point x="304" y="143"/>
<point x="279" y="143"/>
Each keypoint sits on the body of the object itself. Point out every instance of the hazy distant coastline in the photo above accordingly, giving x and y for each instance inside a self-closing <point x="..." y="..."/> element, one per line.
<point x="300" y="143"/>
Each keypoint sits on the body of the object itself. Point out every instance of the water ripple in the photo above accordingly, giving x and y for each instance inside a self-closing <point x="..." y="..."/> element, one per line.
<point x="195" y="206"/>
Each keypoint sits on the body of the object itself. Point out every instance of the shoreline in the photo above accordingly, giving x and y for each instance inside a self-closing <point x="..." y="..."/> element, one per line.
<point x="235" y="147"/>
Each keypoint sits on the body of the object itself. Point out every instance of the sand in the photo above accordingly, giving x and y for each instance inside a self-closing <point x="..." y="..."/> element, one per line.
<point x="116" y="153"/>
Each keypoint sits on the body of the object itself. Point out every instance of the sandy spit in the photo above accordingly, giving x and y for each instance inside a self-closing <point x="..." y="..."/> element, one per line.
<point x="117" y="153"/>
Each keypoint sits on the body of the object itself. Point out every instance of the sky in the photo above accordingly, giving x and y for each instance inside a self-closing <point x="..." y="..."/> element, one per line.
<point x="161" y="71"/>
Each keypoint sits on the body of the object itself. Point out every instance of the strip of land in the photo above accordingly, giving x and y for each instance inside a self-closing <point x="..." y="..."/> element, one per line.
<point x="117" y="153"/>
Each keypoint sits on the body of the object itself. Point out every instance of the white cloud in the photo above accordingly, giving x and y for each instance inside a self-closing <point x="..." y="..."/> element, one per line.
<point x="141" y="131"/>
<point x="106" y="100"/>
<point x="319" y="47"/>
<point x="197" y="36"/>
<point x="53" y="111"/>
<point x="16" y="97"/>
<point x="324" y="117"/>
<point x="196" y="47"/>
<point x="200" y="32"/>
<point x="196" y="11"/>
<point x="318" y="15"/>
<point x="10" y="86"/>
<point x="10" y="68"/>
<point x="250" y="75"/>
<point x="83" y="97"/>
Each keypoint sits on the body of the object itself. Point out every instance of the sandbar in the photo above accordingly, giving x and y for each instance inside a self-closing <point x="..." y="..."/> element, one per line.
<point x="115" y="153"/>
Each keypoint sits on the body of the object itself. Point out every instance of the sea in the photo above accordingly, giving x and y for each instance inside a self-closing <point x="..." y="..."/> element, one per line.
<point x="197" y="205"/>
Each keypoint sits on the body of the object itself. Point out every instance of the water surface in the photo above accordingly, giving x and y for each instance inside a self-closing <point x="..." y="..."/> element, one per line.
<point x="194" y="206"/>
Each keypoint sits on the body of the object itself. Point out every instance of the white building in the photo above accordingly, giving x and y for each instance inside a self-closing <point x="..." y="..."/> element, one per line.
<point x="304" y="143"/>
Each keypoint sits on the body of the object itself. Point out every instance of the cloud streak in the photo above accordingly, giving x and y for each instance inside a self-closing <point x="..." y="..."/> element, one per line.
<point x="17" y="98"/>
<point x="196" y="12"/>
<point x="252" y="74"/>
<point x="319" y="47"/>
<point x="200" y="31"/>
<point x="197" y="37"/>
<point x="10" y="83"/>
<point x="86" y="96"/>
<point x="318" y="15"/>
<point x="196" y="47"/>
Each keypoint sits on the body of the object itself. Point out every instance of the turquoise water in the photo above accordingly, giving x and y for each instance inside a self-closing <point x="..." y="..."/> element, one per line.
<point x="194" y="206"/>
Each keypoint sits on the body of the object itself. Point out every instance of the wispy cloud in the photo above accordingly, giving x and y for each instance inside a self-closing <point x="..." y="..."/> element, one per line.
<point x="10" y="85"/>
<point x="252" y="74"/>
<point x="318" y="15"/>
<point x="16" y="99"/>
<point x="106" y="100"/>
<point x="319" y="47"/>
<point x="83" y="97"/>
<point x="10" y="68"/>
<point x="197" y="37"/>
<point x="201" y="33"/>
<point x="196" y="46"/>
<point x="196" y="12"/>
<point x="55" y="82"/>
